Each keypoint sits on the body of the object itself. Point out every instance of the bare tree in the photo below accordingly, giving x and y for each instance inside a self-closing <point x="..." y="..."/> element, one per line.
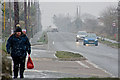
<point x="29" y="18"/>
<point x="25" y="15"/>
<point x="16" y="13"/>
<point x="62" y="22"/>
<point x="109" y="17"/>
<point x="10" y="12"/>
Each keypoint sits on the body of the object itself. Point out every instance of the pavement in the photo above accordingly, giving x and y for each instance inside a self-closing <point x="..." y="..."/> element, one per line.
<point x="47" y="66"/>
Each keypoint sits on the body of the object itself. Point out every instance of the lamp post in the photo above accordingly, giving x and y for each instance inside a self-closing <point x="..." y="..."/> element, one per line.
<point x="118" y="21"/>
<point x="118" y="37"/>
<point x="16" y="13"/>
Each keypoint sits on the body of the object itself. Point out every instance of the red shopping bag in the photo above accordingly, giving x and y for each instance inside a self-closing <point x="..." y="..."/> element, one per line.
<point x="30" y="64"/>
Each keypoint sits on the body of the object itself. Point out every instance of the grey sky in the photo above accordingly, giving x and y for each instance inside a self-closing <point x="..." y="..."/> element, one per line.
<point x="48" y="9"/>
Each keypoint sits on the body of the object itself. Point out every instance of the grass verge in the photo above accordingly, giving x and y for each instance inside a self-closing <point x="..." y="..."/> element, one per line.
<point x="6" y="66"/>
<point x="114" y="45"/>
<point x="69" y="56"/>
<point x="43" y="38"/>
<point x="6" y="62"/>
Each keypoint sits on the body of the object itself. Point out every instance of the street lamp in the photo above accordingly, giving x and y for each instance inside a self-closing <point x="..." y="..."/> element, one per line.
<point x="118" y="38"/>
<point x="118" y="8"/>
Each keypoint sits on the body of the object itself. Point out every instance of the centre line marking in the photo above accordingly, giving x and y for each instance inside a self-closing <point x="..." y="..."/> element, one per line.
<point x="79" y="62"/>
<point x="53" y="42"/>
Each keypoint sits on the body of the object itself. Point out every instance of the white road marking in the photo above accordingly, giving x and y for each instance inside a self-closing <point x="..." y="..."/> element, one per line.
<point x="55" y="55"/>
<point x="92" y="64"/>
<point x="53" y="42"/>
<point x="32" y="70"/>
<point x="99" y="68"/>
<point x="79" y="62"/>
<point x="38" y="50"/>
<point x="35" y="76"/>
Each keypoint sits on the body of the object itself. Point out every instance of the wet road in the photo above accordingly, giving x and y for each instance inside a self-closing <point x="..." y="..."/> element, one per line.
<point x="103" y="56"/>
<point x="48" y="66"/>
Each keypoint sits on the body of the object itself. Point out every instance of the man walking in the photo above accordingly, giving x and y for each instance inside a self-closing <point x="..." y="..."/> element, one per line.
<point x="18" y="45"/>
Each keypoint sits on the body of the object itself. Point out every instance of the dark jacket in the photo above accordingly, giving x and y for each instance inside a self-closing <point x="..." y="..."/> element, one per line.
<point x="18" y="46"/>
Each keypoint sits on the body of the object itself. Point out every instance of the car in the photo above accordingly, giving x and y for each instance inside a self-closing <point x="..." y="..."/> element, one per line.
<point x="80" y="35"/>
<point x="91" y="38"/>
<point x="54" y="30"/>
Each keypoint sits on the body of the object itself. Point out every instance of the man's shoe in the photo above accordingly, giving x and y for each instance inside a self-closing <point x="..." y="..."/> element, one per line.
<point x="14" y="77"/>
<point x="21" y="76"/>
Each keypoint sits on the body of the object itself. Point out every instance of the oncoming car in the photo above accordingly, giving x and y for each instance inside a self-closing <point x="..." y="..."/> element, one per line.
<point x="52" y="29"/>
<point x="91" y="38"/>
<point x="80" y="35"/>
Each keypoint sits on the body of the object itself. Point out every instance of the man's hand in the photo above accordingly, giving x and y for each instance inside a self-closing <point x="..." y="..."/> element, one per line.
<point x="29" y="53"/>
<point x="8" y="52"/>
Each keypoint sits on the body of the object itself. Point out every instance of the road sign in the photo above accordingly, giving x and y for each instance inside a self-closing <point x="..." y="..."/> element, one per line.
<point x="24" y="31"/>
<point x="113" y="24"/>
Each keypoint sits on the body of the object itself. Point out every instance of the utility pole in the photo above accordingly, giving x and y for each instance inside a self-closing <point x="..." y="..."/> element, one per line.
<point x="78" y="22"/>
<point x="40" y="25"/>
<point x="10" y="14"/>
<point x="32" y="27"/>
<point x="118" y="36"/>
<point x="0" y="16"/>
<point x="31" y="2"/>
<point x="4" y="14"/>
<point x="16" y="13"/>
<point x="25" y="15"/>
<point x="118" y="21"/>
<point x="34" y="23"/>
<point x="36" y="15"/>
<point x="29" y="28"/>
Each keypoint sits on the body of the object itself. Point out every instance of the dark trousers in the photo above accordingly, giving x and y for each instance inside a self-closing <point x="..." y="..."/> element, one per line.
<point x="19" y="63"/>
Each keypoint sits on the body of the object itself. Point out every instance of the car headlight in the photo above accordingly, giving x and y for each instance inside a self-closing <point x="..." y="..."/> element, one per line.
<point x="96" y="39"/>
<point x="86" y="39"/>
<point x="78" y="36"/>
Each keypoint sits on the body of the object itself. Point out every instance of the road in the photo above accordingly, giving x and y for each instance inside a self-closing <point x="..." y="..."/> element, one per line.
<point x="103" y="56"/>
<point x="48" y="66"/>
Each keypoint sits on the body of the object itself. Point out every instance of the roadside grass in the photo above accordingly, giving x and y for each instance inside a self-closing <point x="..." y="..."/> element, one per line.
<point x="114" y="45"/>
<point x="6" y="66"/>
<point x="6" y="63"/>
<point x="89" y="79"/>
<point x="3" y="45"/>
<point x="43" y="38"/>
<point x="69" y="56"/>
<point x="112" y="37"/>
<point x="0" y="46"/>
